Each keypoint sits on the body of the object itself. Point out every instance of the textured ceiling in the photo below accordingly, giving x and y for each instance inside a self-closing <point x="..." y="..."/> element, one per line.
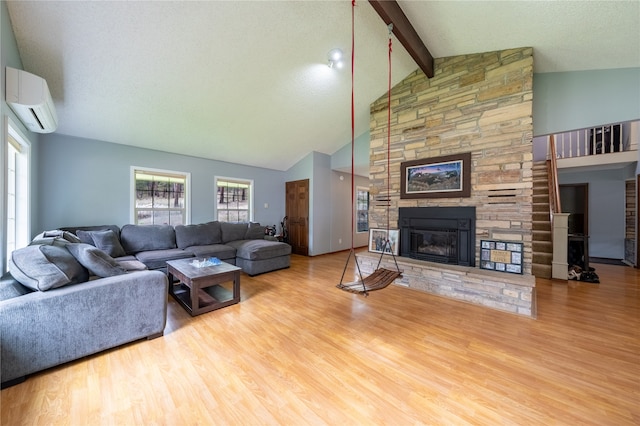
<point x="247" y="81"/>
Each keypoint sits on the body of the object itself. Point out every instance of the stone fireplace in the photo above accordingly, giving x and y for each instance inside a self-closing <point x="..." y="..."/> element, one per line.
<point x="438" y="234"/>
<point x="479" y="104"/>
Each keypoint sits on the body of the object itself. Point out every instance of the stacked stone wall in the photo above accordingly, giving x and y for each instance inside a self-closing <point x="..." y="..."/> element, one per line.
<point x="505" y="292"/>
<point x="478" y="103"/>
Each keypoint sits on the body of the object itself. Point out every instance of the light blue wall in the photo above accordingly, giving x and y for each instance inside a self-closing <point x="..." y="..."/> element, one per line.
<point x="87" y="182"/>
<point x="341" y="159"/>
<point x="9" y="56"/>
<point x="343" y="207"/>
<point x="566" y="101"/>
<point x="342" y="211"/>
<point x="330" y="199"/>
<point x="303" y="169"/>
<point x="317" y="168"/>
<point x="321" y="205"/>
<point x="606" y="208"/>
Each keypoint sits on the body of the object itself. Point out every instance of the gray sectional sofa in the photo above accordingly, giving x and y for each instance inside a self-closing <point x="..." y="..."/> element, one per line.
<point x="78" y="291"/>
<point x="240" y="244"/>
<point x="63" y="301"/>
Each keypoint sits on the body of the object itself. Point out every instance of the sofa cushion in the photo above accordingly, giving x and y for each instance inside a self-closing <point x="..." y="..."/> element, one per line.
<point x="156" y="259"/>
<point x="10" y="288"/>
<point x="105" y="240"/>
<point x="95" y="260"/>
<point x="46" y="266"/>
<point x="75" y="229"/>
<point x="137" y="238"/>
<point x="233" y="231"/>
<point x="255" y="267"/>
<point x="255" y="231"/>
<point x="203" y="234"/>
<point x="260" y="249"/>
<point x="131" y="264"/>
<point x="221" y="251"/>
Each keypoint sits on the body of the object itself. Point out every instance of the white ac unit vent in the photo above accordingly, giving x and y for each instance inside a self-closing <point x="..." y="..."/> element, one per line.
<point x="28" y="96"/>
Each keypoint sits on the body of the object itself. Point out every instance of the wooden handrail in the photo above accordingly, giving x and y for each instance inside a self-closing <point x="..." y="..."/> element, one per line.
<point x="554" y="188"/>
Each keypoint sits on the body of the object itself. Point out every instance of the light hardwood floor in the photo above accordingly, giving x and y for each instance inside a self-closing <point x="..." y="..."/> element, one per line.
<point x="298" y="351"/>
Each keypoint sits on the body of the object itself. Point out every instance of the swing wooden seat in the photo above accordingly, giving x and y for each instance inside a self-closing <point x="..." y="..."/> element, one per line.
<point x="379" y="279"/>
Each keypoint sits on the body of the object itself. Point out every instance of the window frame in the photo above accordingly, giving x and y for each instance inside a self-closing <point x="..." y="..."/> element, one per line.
<point x="186" y="217"/>
<point x="358" y="190"/>
<point x="21" y="187"/>
<point x="249" y="182"/>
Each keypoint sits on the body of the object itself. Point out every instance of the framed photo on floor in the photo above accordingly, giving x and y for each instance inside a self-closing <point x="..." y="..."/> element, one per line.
<point x="378" y="238"/>
<point x="503" y="256"/>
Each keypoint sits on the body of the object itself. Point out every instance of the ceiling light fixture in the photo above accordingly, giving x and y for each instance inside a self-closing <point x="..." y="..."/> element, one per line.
<point x="336" y="58"/>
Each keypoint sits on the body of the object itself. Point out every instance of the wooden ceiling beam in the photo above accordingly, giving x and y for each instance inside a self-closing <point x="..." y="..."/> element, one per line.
<point x="391" y="13"/>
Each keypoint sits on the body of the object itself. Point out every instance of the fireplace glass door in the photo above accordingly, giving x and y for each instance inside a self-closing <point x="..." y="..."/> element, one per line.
<point x="436" y="245"/>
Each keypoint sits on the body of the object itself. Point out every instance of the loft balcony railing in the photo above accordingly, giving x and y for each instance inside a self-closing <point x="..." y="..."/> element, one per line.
<point x="596" y="141"/>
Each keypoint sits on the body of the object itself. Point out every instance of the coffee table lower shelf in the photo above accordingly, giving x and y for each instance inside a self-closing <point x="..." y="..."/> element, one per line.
<point x="209" y="298"/>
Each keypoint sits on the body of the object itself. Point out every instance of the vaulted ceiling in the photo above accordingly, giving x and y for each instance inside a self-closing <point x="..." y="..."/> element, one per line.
<point x="248" y="82"/>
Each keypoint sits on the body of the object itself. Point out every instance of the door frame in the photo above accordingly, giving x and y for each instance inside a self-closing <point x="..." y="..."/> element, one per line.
<point x="637" y="222"/>
<point x="584" y="185"/>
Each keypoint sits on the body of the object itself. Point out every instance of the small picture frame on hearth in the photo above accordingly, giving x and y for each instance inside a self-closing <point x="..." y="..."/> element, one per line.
<point x="378" y="241"/>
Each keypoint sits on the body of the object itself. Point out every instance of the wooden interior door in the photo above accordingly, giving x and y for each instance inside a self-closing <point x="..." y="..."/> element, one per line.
<point x="297" y="211"/>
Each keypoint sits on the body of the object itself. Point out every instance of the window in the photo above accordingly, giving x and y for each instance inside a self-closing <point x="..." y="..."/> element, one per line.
<point x="160" y="197"/>
<point x="362" y="209"/>
<point x="234" y="200"/>
<point x="17" y="201"/>
<point x="12" y="153"/>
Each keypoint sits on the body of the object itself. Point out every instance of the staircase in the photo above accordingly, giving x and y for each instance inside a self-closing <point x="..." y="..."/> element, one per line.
<point x="542" y="245"/>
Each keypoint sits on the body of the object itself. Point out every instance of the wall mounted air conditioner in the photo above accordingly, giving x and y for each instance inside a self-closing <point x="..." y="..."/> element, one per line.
<point x="28" y="96"/>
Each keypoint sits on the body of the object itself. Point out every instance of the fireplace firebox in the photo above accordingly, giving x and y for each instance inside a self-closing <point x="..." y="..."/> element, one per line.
<point x="438" y="234"/>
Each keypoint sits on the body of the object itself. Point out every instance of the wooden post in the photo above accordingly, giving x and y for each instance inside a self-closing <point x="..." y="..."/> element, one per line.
<point x="559" y="265"/>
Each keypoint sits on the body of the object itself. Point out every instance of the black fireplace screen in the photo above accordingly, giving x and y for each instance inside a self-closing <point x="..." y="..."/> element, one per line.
<point x="438" y="234"/>
<point x="436" y="245"/>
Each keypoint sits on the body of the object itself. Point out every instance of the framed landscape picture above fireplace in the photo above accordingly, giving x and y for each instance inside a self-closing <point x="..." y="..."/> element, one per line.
<point x="378" y="237"/>
<point x="439" y="177"/>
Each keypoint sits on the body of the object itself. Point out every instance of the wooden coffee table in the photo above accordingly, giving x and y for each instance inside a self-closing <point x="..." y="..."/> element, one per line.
<point x="200" y="290"/>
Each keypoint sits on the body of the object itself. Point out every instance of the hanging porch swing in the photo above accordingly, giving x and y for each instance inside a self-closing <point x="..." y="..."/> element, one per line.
<point x="381" y="277"/>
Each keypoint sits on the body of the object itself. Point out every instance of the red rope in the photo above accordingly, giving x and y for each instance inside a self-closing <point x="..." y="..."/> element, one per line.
<point x="389" y="139"/>
<point x="353" y="204"/>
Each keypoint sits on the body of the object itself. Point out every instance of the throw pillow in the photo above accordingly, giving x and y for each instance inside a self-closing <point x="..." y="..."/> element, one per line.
<point x="233" y="231"/>
<point x="85" y="237"/>
<point x="255" y="231"/>
<point x="106" y="240"/>
<point x="46" y="266"/>
<point x="95" y="260"/>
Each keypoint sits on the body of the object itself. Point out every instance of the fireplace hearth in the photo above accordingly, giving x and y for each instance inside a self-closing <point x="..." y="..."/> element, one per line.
<point x="438" y="234"/>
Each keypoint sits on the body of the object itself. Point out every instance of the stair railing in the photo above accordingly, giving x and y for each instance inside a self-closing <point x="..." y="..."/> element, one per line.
<point x="554" y="187"/>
